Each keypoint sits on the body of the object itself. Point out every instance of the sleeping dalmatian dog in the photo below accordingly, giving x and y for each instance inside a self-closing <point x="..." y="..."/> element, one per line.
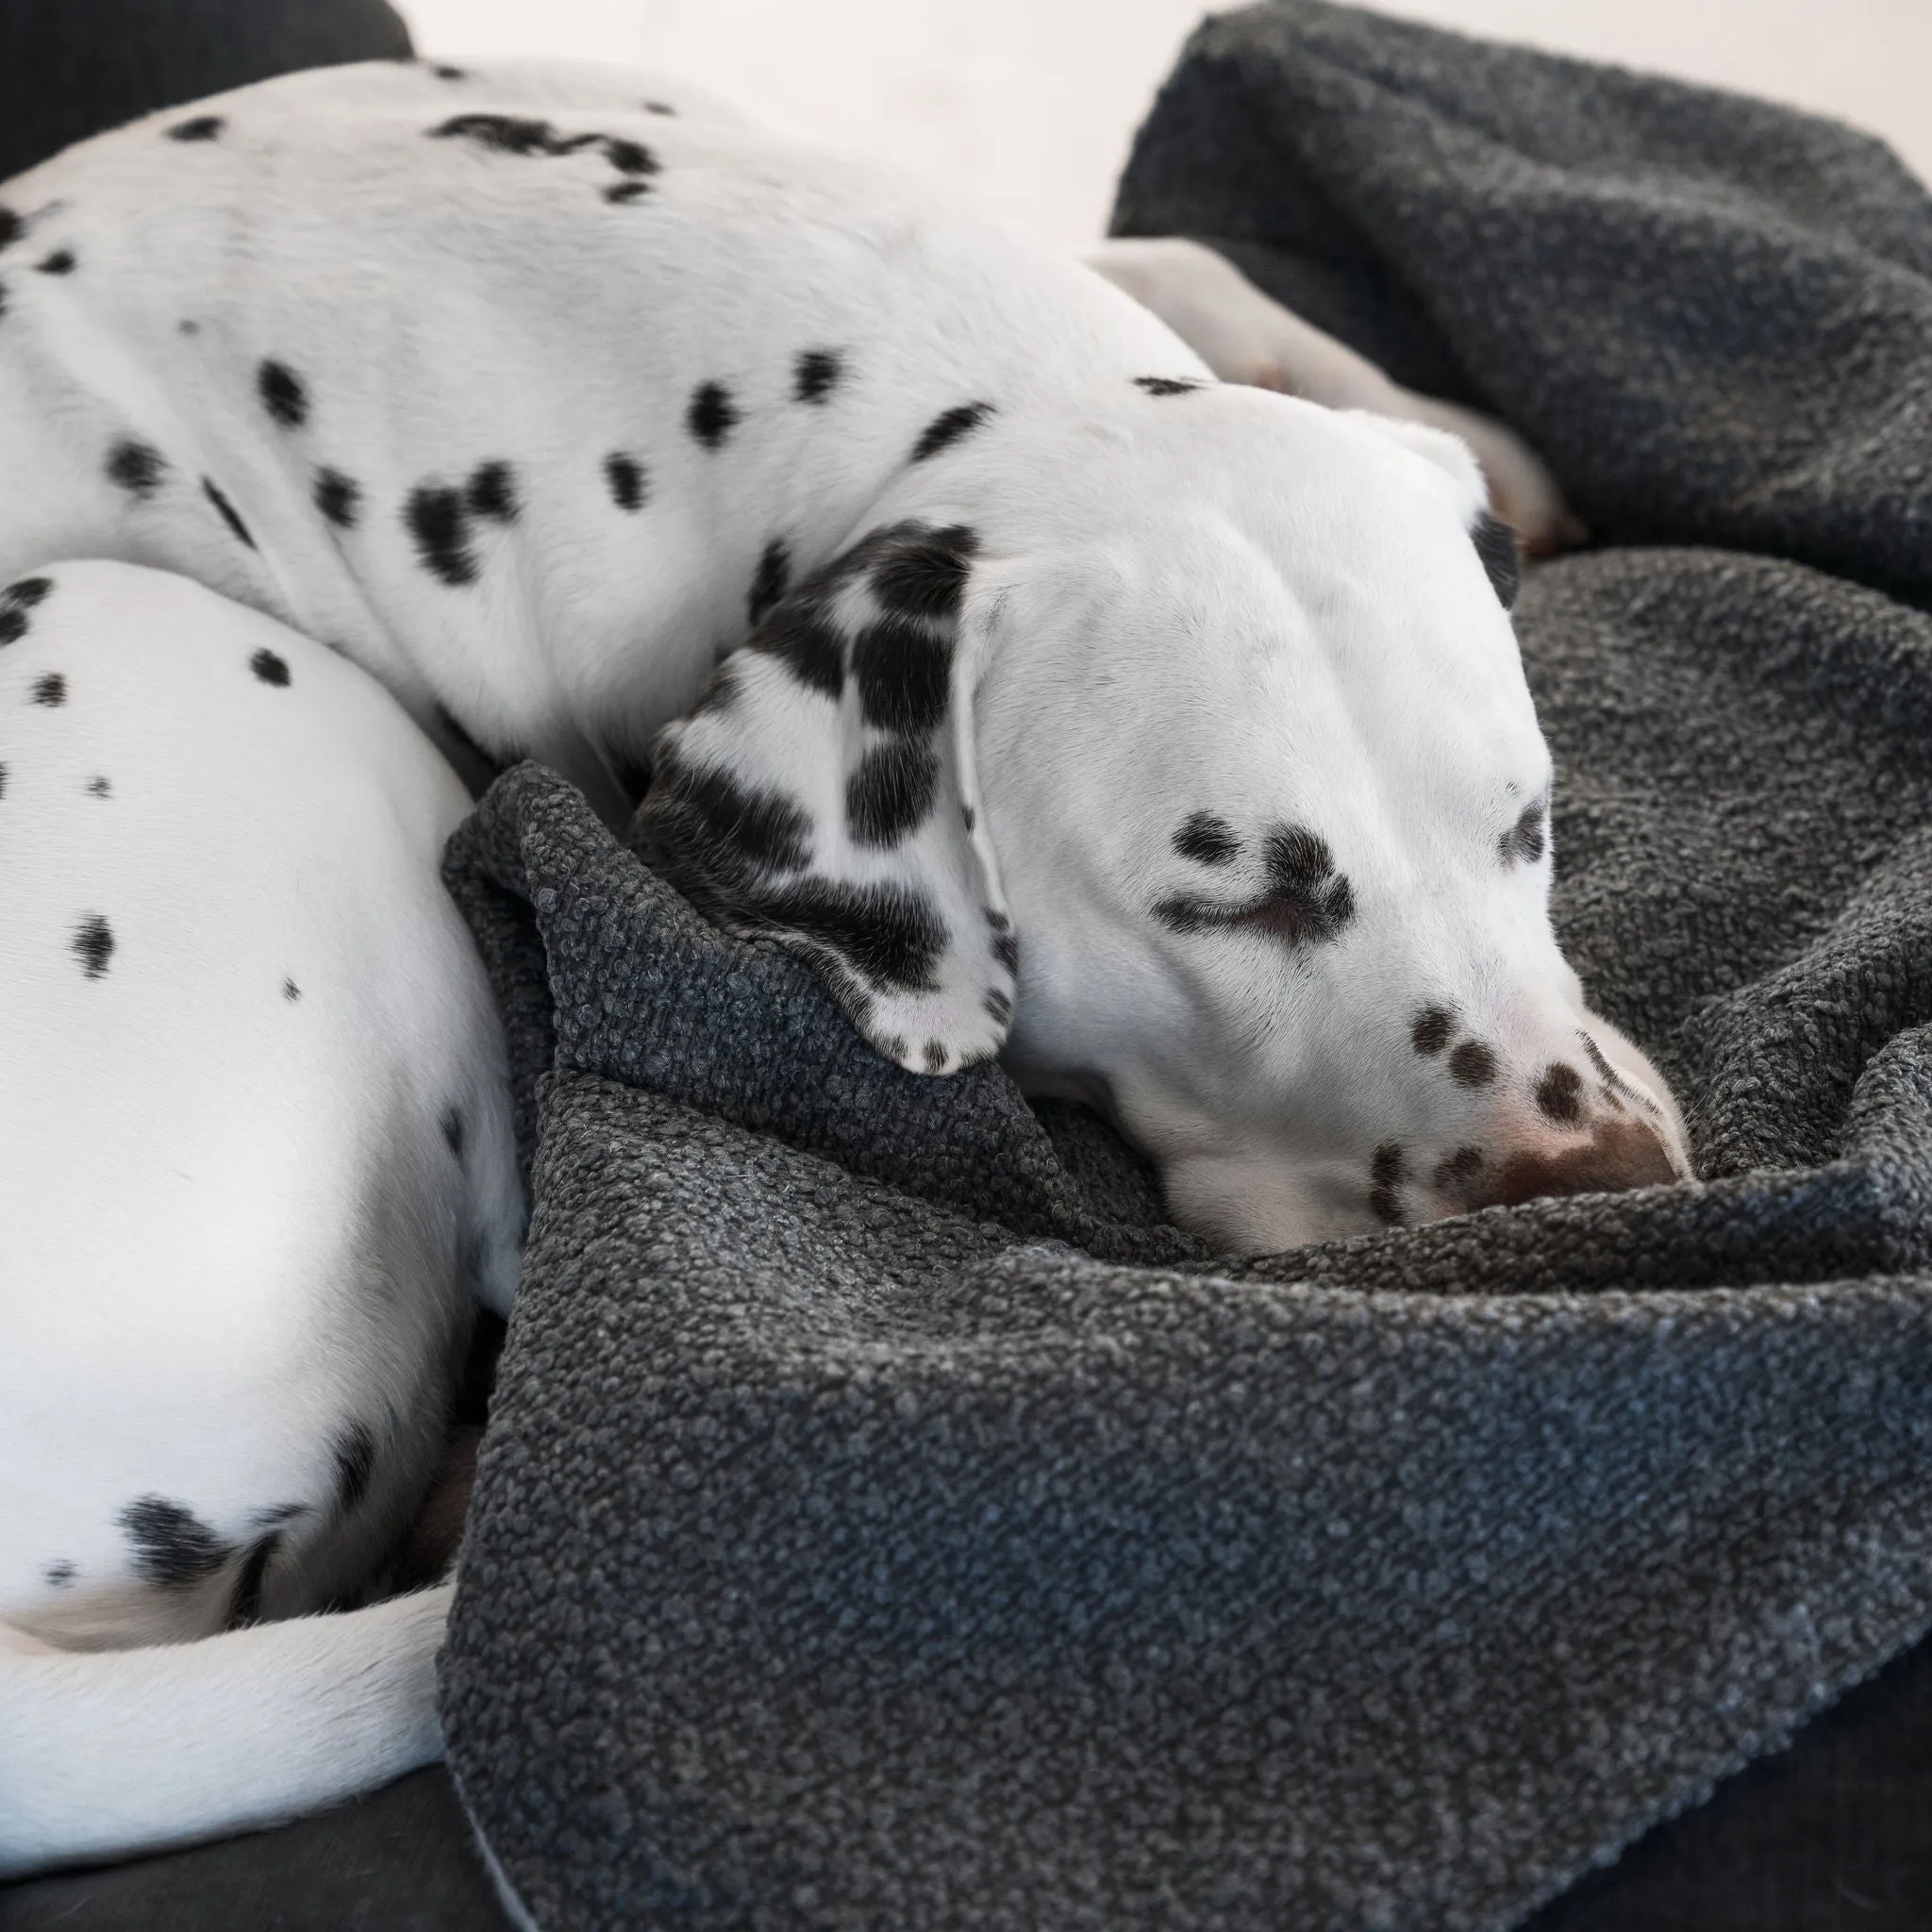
<point x="1164" y="737"/>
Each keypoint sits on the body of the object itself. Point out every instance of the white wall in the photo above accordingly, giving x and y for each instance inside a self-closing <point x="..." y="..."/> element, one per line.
<point x="1029" y="103"/>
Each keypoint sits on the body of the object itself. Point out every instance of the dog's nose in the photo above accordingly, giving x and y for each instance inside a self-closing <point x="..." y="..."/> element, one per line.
<point x="1619" y="1153"/>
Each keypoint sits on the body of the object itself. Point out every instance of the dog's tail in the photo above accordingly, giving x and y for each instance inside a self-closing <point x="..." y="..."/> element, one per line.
<point x="106" y="1753"/>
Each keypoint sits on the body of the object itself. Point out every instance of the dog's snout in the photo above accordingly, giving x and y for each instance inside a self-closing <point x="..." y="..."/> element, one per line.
<point x="1619" y="1153"/>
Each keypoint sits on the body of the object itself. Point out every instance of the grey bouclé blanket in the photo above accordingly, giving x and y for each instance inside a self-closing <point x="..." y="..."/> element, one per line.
<point x="886" y="1521"/>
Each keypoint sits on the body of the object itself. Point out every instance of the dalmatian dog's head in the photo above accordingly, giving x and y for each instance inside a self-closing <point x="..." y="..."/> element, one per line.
<point x="1183" y="757"/>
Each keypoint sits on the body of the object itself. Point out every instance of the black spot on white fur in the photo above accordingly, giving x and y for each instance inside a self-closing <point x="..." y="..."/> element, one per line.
<point x="1560" y="1095"/>
<point x="817" y="374"/>
<point x="447" y="73"/>
<point x="93" y="945"/>
<point x="492" y="492"/>
<point x="226" y="512"/>
<point x="901" y="670"/>
<point x="16" y="601"/>
<point x="1168" y="385"/>
<point x="1496" y="544"/>
<point x="338" y="498"/>
<point x="767" y="585"/>
<point x="59" y="1576"/>
<point x="11" y="226"/>
<point x="947" y="429"/>
<point x="891" y="792"/>
<point x="705" y="821"/>
<point x="99" y="788"/>
<point x="800" y="636"/>
<point x="628" y="480"/>
<point x="1432" y="1029"/>
<point x="658" y="107"/>
<point x="290" y="991"/>
<point x="518" y="134"/>
<point x="891" y="934"/>
<point x="1006" y="947"/>
<point x="202" y="127"/>
<point x="630" y="157"/>
<point x="453" y="1132"/>
<point x="511" y="134"/>
<point x="62" y="262"/>
<point x="1317" y="900"/>
<point x="438" y="521"/>
<point x="355" y="1459"/>
<point x="50" y="690"/>
<point x="1473" y="1064"/>
<point x="282" y="393"/>
<point x="269" y="667"/>
<point x="921" y="571"/>
<point x="168" y="1544"/>
<point x="137" y="467"/>
<point x="711" y="415"/>
<point x="914" y="571"/>
<point x="1206" y="839"/>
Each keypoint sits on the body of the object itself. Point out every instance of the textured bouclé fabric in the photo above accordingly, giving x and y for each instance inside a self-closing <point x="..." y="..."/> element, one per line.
<point x="886" y="1521"/>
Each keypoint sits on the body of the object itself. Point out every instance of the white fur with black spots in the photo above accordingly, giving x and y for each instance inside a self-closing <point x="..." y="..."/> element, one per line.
<point x="1166" y="737"/>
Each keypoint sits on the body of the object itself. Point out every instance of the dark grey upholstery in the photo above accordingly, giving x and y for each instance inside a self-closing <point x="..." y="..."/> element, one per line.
<point x="70" y="68"/>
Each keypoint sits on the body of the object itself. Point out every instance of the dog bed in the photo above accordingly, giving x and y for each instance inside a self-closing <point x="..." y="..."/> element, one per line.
<point x="887" y="1521"/>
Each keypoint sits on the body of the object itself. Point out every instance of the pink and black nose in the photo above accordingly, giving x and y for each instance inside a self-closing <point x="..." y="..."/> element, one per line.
<point x="1557" y="1130"/>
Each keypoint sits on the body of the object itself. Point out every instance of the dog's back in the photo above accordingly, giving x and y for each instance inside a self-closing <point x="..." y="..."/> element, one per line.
<point x="528" y="388"/>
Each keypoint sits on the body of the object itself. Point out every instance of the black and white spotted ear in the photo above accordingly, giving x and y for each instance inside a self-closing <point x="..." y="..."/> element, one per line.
<point x="824" y="793"/>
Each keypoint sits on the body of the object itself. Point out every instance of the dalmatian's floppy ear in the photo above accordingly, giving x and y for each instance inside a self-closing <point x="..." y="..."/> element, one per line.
<point x="824" y="795"/>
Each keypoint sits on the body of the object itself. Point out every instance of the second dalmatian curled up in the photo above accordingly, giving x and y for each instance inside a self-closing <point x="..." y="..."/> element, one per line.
<point x="1166" y="738"/>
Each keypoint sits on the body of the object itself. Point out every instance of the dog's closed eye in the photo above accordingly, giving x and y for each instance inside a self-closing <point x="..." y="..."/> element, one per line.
<point x="1307" y="901"/>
